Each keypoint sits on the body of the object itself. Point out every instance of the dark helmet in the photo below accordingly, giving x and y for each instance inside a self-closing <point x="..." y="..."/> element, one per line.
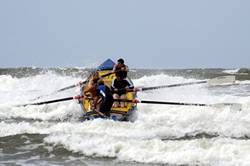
<point x="120" y="61"/>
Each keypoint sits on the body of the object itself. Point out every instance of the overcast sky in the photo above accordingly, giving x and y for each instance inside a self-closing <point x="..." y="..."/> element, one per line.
<point x="146" y="33"/>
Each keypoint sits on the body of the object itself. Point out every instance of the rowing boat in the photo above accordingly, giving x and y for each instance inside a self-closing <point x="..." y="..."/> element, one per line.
<point x="117" y="113"/>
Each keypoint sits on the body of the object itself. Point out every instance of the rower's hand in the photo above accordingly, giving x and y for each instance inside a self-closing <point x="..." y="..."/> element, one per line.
<point x="137" y="89"/>
<point x="115" y="90"/>
<point x="81" y="82"/>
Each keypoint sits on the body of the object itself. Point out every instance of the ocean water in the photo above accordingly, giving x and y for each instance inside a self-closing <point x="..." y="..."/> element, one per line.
<point x="161" y="134"/>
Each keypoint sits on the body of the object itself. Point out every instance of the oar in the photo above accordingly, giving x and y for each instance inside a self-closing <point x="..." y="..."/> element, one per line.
<point x="60" y="90"/>
<point x="214" y="81"/>
<point x="51" y="101"/>
<point x="234" y="106"/>
<point x="71" y="86"/>
<point x="82" y="82"/>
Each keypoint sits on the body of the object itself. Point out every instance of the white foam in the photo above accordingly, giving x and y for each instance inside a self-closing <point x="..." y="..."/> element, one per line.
<point x="231" y="71"/>
<point x="14" y="90"/>
<point x="91" y="139"/>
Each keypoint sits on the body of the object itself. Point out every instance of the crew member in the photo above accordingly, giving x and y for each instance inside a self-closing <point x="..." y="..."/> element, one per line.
<point x="90" y="89"/>
<point x="120" y="66"/>
<point x="120" y="86"/>
<point x="105" y="100"/>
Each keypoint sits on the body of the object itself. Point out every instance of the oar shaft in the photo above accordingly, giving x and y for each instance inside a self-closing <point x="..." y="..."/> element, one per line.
<point x="72" y="86"/>
<point x="105" y="75"/>
<point x="172" y="103"/>
<point x="53" y="101"/>
<point x="81" y="82"/>
<point x="214" y="81"/>
<point x="233" y="106"/>
<point x="173" y="85"/>
<point x="69" y="87"/>
<point x="162" y="102"/>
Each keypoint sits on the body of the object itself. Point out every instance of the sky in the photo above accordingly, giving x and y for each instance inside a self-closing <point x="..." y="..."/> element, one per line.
<point x="146" y="33"/>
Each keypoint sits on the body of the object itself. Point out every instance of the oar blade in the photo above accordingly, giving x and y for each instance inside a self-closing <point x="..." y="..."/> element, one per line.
<point x="222" y="80"/>
<point x="232" y="106"/>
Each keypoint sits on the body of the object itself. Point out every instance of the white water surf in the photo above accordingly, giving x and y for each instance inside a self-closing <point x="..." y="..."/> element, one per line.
<point x="161" y="133"/>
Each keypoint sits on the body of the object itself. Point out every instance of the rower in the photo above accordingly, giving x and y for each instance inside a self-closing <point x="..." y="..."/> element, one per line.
<point x="105" y="101"/>
<point x="120" y="66"/>
<point x="119" y="86"/>
<point x="90" y="89"/>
